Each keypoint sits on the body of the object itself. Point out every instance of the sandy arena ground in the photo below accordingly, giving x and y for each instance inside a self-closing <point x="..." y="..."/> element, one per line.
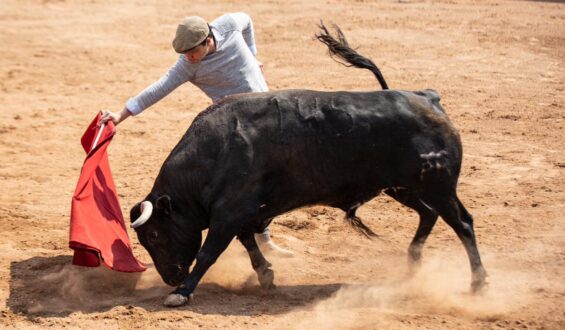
<point x="498" y="65"/>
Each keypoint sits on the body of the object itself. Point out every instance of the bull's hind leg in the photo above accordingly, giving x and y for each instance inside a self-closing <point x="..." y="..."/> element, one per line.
<point x="261" y="266"/>
<point x="428" y="219"/>
<point x="456" y="216"/>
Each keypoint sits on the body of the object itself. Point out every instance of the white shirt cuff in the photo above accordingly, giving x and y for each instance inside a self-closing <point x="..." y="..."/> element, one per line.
<point x="133" y="107"/>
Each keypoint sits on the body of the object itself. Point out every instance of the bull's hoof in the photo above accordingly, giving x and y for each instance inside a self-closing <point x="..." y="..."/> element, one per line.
<point x="479" y="282"/>
<point x="414" y="263"/>
<point x="176" y="300"/>
<point x="266" y="279"/>
<point x="478" y="286"/>
<point x="414" y="256"/>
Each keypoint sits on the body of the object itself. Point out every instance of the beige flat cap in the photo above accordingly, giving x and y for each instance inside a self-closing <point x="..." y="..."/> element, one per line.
<point x="191" y="31"/>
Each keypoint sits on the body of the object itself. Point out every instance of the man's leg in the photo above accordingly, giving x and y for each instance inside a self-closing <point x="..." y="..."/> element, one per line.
<point x="267" y="246"/>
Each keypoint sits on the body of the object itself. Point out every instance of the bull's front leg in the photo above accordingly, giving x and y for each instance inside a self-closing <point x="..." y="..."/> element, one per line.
<point x="261" y="266"/>
<point x="216" y="242"/>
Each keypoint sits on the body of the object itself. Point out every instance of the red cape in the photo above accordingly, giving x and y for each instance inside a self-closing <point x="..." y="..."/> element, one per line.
<point x="97" y="229"/>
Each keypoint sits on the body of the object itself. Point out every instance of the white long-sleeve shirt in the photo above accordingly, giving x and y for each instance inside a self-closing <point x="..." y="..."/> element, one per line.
<point x="231" y="69"/>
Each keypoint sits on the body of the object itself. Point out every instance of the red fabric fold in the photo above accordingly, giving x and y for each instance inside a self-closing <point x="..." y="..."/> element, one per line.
<point x="97" y="230"/>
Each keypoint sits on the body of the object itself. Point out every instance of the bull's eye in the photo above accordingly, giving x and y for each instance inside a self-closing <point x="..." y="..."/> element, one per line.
<point x="153" y="235"/>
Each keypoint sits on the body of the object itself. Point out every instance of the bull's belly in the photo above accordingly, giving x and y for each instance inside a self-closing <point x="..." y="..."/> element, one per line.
<point x="340" y="190"/>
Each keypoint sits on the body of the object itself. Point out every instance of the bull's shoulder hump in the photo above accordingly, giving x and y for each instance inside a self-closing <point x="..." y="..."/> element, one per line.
<point x="428" y="96"/>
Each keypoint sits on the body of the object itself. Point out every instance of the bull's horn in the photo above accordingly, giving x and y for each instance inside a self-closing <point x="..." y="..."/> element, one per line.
<point x="146" y="210"/>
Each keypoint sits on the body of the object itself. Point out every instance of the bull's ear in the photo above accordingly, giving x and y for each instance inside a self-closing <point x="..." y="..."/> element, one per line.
<point x="164" y="204"/>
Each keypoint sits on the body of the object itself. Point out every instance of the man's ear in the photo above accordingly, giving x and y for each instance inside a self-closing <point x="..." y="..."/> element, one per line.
<point x="164" y="204"/>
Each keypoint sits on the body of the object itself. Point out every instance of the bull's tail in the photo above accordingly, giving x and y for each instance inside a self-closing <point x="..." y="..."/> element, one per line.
<point x="340" y="48"/>
<point x="357" y="224"/>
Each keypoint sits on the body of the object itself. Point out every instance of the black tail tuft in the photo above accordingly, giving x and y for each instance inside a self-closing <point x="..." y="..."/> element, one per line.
<point x="340" y="48"/>
<point x="357" y="224"/>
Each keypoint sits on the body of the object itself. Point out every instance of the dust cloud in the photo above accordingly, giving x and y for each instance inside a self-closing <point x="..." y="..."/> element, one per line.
<point x="67" y="288"/>
<point x="233" y="269"/>
<point x="440" y="287"/>
<point x="73" y="288"/>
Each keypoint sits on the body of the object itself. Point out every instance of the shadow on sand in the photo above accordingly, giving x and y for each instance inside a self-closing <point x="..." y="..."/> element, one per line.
<point x="51" y="286"/>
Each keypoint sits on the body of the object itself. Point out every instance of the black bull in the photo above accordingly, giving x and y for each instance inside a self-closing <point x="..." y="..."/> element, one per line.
<point x="251" y="157"/>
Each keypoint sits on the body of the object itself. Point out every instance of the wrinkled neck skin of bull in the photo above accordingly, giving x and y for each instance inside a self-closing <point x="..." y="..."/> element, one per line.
<point x="194" y="216"/>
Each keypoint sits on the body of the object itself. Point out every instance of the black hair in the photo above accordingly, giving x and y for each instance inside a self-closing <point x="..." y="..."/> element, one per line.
<point x="210" y="35"/>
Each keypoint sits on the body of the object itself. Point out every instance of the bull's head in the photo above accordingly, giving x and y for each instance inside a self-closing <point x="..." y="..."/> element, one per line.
<point x="168" y="237"/>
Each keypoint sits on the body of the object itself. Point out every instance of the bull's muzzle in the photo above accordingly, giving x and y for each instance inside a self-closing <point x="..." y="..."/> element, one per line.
<point x="146" y="211"/>
<point x="176" y="274"/>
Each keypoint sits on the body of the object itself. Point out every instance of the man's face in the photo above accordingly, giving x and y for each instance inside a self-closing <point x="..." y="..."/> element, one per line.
<point x="197" y="53"/>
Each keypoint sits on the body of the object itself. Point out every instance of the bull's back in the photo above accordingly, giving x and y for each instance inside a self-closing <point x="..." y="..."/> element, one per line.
<point x="306" y="147"/>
